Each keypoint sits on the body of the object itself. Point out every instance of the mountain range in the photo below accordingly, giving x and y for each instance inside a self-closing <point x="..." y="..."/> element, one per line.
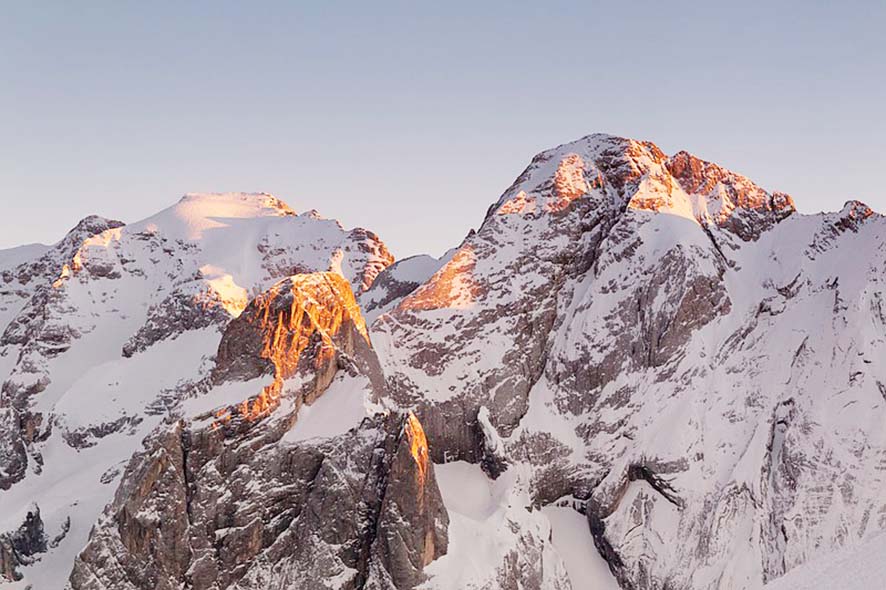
<point x="642" y="371"/>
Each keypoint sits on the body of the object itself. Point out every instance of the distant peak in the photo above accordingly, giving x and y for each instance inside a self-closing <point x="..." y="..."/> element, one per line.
<point x="260" y="199"/>
<point x="89" y="226"/>
<point x="852" y="215"/>
<point x="856" y="210"/>
<point x="94" y="224"/>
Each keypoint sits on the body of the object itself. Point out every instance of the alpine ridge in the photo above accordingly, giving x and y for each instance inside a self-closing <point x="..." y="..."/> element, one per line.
<point x="642" y="371"/>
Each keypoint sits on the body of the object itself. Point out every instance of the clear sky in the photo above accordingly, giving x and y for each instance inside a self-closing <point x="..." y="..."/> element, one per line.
<point x="411" y="118"/>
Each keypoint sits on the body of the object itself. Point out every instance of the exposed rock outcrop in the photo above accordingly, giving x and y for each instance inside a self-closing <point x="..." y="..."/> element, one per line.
<point x="313" y="313"/>
<point x="13" y="452"/>
<point x="305" y="325"/>
<point x="190" y="308"/>
<point x="361" y="510"/>
<point x="22" y="546"/>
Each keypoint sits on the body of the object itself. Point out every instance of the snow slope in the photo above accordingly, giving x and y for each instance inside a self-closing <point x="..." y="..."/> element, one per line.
<point x="572" y="540"/>
<point x="488" y="527"/>
<point x="860" y="568"/>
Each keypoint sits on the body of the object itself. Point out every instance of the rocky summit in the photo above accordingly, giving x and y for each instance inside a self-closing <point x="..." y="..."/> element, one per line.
<point x="642" y="371"/>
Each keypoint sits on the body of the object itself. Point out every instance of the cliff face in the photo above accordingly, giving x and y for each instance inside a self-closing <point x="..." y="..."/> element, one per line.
<point x="313" y="311"/>
<point x="353" y="511"/>
<point x="301" y="326"/>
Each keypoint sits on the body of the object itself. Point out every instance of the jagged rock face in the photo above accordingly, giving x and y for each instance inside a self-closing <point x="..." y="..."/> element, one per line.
<point x="364" y="245"/>
<point x="356" y="511"/>
<point x="744" y="208"/>
<point x="412" y="496"/>
<point x="312" y="310"/>
<point x="307" y="324"/>
<point x="22" y="546"/>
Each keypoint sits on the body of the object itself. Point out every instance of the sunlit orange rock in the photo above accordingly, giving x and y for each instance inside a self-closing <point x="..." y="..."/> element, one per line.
<point x="696" y="176"/>
<point x="296" y="327"/>
<point x="418" y="445"/>
<point x="569" y="182"/>
<point x="452" y="287"/>
<point x="411" y="494"/>
<point x="519" y="204"/>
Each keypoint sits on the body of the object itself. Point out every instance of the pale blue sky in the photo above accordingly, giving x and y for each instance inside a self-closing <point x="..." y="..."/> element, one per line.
<point x="410" y="118"/>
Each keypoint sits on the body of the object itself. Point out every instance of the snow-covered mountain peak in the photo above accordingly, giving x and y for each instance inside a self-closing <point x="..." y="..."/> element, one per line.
<point x="236" y="199"/>
<point x="558" y="176"/>
<point x="99" y="309"/>
<point x="90" y="226"/>
<point x="617" y="173"/>
<point x="670" y="343"/>
<point x="197" y="213"/>
<point x="856" y="211"/>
